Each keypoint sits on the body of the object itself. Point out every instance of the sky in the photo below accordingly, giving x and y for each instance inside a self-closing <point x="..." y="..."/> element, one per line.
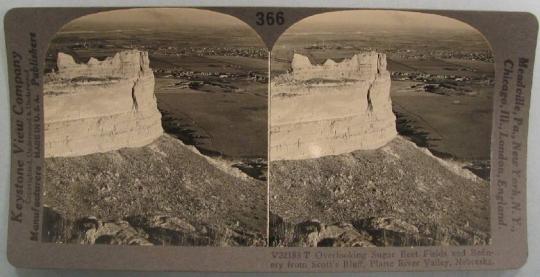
<point x="196" y="19"/>
<point x="370" y="19"/>
<point x="154" y="18"/>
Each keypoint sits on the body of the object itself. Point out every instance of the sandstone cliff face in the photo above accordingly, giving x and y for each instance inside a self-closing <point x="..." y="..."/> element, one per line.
<point x="100" y="106"/>
<point x="330" y="109"/>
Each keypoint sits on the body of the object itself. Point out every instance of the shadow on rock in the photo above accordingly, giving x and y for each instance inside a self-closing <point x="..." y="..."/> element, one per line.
<point x="141" y="230"/>
<point x="367" y="232"/>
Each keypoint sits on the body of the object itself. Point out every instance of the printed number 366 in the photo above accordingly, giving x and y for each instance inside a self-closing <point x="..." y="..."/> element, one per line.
<point x="270" y="18"/>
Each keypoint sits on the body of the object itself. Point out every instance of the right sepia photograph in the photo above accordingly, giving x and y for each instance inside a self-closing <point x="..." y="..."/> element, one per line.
<point x="380" y="130"/>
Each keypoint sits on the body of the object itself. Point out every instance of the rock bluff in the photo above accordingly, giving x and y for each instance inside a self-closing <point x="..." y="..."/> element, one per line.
<point x="100" y="106"/>
<point x="331" y="109"/>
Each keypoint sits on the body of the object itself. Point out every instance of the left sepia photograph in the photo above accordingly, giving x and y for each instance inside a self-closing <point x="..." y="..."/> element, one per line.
<point x="155" y="130"/>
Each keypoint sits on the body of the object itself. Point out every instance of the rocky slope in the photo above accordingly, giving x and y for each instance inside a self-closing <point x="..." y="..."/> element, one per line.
<point x="396" y="195"/>
<point x="164" y="193"/>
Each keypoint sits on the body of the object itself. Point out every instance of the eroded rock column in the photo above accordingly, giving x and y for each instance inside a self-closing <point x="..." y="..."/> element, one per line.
<point x="330" y="109"/>
<point x="101" y="105"/>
